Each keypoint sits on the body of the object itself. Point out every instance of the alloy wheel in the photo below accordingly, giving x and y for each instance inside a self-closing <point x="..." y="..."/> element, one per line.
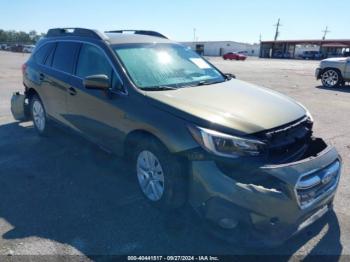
<point x="150" y="175"/>
<point x="330" y="78"/>
<point x="38" y="115"/>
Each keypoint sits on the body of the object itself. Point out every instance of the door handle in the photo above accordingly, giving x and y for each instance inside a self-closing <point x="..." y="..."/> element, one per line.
<point x="72" y="91"/>
<point x="41" y="76"/>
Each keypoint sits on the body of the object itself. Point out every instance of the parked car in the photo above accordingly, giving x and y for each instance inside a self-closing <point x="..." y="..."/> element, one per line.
<point x="28" y="48"/>
<point x="3" y="47"/>
<point x="244" y="157"/>
<point x="312" y="55"/>
<point x="334" y="72"/>
<point x="280" y="54"/>
<point x="234" y="56"/>
<point x="16" y="48"/>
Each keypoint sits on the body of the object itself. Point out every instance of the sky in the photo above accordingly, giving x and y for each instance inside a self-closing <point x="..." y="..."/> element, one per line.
<point x="214" y="20"/>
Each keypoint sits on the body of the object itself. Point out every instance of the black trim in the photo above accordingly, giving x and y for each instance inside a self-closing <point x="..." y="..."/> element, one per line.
<point x="139" y="32"/>
<point x="82" y="32"/>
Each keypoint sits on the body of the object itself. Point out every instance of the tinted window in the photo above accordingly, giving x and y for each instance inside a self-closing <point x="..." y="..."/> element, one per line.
<point x="42" y="53"/>
<point x="93" y="61"/>
<point x="65" y="56"/>
<point x="49" y="58"/>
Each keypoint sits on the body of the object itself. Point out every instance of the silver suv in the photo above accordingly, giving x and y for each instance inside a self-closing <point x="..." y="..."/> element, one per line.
<point x="334" y="72"/>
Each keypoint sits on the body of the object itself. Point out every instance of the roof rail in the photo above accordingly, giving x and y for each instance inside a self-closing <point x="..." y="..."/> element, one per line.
<point x="139" y="32"/>
<point x="83" y="32"/>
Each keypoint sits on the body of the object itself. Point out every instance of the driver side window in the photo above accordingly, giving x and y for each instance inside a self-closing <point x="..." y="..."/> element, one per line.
<point x="92" y="61"/>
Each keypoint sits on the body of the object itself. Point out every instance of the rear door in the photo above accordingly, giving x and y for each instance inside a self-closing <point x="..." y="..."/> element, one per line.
<point x="62" y="63"/>
<point x="37" y="74"/>
<point x="92" y="112"/>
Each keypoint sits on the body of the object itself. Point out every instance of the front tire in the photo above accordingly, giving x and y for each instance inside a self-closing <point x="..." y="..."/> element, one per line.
<point x="39" y="117"/>
<point x="331" y="78"/>
<point x="160" y="175"/>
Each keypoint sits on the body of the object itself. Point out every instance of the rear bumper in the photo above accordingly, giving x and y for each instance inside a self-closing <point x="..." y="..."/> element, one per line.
<point x="255" y="214"/>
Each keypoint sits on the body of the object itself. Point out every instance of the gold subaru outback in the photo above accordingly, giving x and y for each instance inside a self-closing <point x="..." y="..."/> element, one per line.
<point x="244" y="157"/>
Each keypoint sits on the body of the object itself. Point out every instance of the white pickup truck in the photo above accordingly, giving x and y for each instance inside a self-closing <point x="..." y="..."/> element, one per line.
<point x="334" y="72"/>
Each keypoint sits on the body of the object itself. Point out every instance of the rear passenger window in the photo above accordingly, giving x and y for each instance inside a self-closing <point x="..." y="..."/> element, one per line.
<point x="49" y="58"/>
<point x="42" y="53"/>
<point x="64" y="57"/>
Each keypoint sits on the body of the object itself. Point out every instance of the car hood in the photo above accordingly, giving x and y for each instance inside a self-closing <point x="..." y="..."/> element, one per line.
<point x="233" y="104"/>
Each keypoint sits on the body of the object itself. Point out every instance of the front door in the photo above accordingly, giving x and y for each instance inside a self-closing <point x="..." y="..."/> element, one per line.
<point x="347" y="70"/>
<point x="94" y="113"/>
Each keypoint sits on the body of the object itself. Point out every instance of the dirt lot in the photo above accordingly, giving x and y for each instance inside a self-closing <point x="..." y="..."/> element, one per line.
<point x="63" y="196"/>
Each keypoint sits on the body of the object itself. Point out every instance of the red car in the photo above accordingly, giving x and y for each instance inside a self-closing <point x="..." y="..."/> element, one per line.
<point x="234" y="56"/>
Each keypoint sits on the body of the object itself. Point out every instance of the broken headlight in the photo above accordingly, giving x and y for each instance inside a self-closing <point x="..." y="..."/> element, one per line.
<point x="226" y="145"/>
<point x="308" y="114"/>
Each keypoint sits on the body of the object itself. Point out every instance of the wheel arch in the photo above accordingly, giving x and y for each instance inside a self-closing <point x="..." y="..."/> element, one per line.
<point x="32" y="92"/>
<point x="137" y="135"/>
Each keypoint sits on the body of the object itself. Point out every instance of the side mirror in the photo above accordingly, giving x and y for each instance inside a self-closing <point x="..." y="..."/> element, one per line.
<point x="229" y="76"/>
<point x="100" y="82"/>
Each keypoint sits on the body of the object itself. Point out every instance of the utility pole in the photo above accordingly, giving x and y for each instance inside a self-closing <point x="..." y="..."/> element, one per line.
<point x="260" y="38"/>
<point x="326" y="31"/>
<point x="194" y="34"/>
<point x="277" y="29"/>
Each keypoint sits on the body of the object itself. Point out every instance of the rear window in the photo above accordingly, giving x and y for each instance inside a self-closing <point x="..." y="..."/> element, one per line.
<point x="43" y="51"/>
<point x="65" y="55"/>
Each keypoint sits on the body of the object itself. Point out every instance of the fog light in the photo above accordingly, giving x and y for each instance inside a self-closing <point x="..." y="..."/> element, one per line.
<point x="227" y="223"/>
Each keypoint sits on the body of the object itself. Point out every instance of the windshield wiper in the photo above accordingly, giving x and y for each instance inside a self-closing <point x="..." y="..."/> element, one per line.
<point x="159" y="88"/>
<point x="204" y="83"/>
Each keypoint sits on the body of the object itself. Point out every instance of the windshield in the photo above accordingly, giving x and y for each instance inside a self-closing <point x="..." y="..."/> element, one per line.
<point x="153" y="66"/>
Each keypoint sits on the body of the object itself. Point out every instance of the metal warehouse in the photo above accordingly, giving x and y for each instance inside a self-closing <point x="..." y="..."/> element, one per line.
<point x="218" y="48"/>
<point x="294" y="48"/>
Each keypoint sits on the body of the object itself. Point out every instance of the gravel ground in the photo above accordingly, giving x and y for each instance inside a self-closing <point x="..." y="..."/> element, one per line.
<point x="63" y="196"/>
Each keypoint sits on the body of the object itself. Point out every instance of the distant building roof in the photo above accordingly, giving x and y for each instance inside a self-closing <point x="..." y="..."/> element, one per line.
<point x="345" y="42"/>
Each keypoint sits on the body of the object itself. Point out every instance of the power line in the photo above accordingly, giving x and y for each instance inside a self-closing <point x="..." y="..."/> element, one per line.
<point x="326" y="31"/>
<point x="277" y="33"/>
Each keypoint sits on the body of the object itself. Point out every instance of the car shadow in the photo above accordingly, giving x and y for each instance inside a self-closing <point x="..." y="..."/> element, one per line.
<point x="65" y="190"/>
<point x="343" y="89"/>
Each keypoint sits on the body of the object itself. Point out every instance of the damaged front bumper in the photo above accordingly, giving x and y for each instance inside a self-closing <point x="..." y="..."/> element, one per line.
<point x="268" y="211"/>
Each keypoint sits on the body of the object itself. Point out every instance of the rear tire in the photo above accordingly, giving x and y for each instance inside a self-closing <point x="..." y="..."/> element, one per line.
<point x="331" y="78"/>
<point x="39" y="117"/>
<point x="160" y="175"/>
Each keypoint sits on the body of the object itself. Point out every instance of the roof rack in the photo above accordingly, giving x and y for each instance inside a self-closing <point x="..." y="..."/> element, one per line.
<point x="139" y="32"/>
<point x="56" y="32"/>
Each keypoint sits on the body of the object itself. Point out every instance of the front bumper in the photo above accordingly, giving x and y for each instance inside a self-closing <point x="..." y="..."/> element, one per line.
<point x="262" y="215"/>
<point x="318" y="73"/>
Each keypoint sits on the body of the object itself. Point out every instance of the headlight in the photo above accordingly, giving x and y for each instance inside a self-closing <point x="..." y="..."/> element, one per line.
<point x="226" y="145"/>
<point x="308" y="114"/>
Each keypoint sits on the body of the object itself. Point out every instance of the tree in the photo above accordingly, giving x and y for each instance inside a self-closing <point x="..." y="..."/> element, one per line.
<point x="21" y="37"/>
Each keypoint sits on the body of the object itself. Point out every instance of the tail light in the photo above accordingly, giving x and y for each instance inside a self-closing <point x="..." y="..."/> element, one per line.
<point x="24" y="67"/>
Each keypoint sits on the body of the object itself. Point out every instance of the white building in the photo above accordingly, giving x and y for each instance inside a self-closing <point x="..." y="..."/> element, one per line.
<point x="218" y="48"/>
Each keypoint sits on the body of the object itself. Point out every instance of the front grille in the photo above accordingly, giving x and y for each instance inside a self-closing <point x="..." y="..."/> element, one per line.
<point x="314" y="186"/>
